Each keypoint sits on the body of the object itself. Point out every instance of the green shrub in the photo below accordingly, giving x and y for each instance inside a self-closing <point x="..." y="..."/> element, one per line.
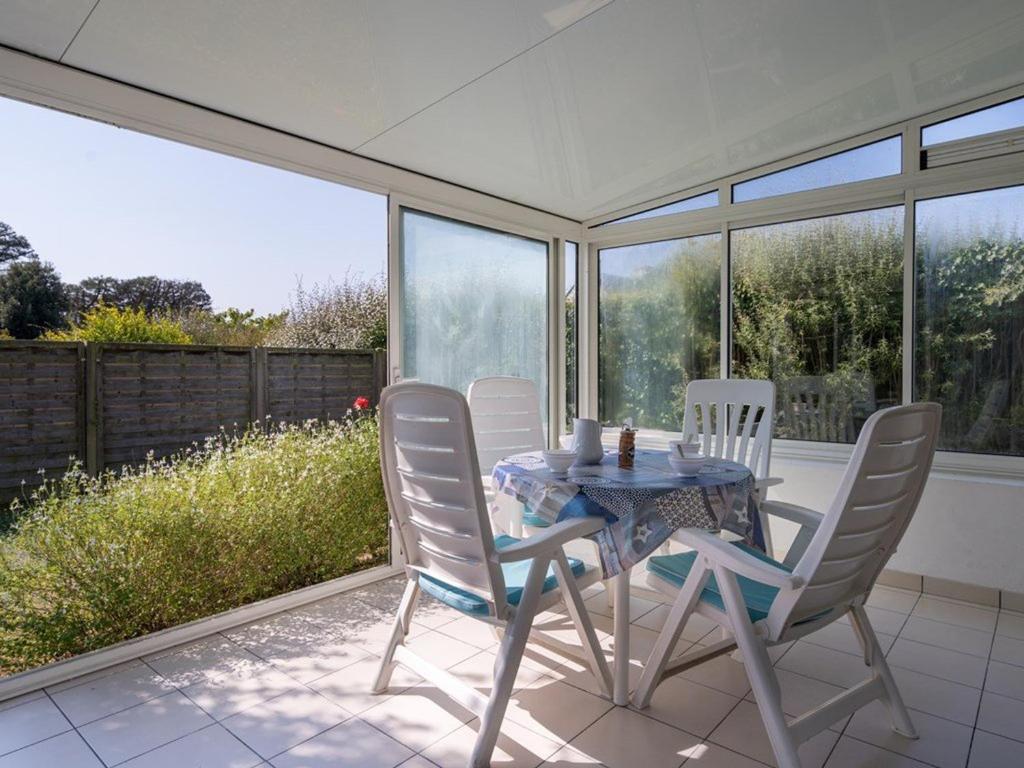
<point x="106" y="323"/>
<point x="94" y="562"/>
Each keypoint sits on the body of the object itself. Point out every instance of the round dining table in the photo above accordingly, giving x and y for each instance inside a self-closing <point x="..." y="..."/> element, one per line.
<point x="642" y="507"/>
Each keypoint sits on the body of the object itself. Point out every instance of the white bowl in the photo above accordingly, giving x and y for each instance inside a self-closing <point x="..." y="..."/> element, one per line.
<point x="560" y="459"/>
<point x="690" y="450"/>
<point x="687" y="467"/>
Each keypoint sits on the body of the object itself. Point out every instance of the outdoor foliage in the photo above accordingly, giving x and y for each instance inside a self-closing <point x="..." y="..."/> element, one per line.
<point x="111" y="324"/>
<point x="232" y="327"/>
<point x="153" y="295"/>
<point x="91" y="563"/>
<point x="13" y="246"/>
<point x="349" y="315"/>
<point x="32" y="298"/>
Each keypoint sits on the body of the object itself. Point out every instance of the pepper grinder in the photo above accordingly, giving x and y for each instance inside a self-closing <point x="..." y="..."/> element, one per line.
<point x="627" y="445"/>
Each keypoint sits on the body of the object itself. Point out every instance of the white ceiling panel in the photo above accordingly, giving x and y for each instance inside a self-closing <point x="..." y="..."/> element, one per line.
<point x="42" y="27"/>
<point x="579" y="107"/>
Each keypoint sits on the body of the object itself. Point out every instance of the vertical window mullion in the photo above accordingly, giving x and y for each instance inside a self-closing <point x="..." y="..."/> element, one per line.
<point x="909" y="290"/>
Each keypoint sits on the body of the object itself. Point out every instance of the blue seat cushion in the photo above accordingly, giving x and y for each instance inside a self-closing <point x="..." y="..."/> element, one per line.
<point x="533" y="520"/>
<point x="515" y="581"/>
<point x="757" y="596"/>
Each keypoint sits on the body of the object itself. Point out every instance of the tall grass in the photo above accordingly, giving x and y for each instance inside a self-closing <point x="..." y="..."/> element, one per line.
<point x="93" y="562"/>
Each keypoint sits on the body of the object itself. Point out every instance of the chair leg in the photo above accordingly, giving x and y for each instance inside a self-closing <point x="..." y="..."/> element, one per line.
<point x="506" y="666"/>
<point x="581" y="619"/>
<point x="759" y="671"/>
<point x="685" y="602"/>
<point x="398" y="633"/>
<point x="875" y="658"/>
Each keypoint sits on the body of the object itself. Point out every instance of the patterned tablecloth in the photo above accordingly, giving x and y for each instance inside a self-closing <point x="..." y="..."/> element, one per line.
<point x="643" y="506"/>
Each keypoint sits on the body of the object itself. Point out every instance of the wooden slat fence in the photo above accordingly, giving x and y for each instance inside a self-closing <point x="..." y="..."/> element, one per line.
<point x="112" y="404"/>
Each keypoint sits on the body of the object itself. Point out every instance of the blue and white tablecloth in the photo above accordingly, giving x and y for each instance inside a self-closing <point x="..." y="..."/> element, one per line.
<point x="643" y="506"/>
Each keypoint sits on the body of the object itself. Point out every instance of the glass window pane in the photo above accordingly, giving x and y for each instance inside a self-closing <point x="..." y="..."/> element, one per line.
<point x="1001" y="117"/>
<point x="872" y="161"/>
<point x="569" y="292"/>
<point x="706" y="200"/>
<point x="474" y="303"/>
<point x="970" y="318"/>
<point x="817" y="308"/>
<point x="659" y="325"/>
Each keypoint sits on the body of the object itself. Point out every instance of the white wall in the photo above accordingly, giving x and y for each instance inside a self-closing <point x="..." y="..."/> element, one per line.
<point x="968" y="528"/>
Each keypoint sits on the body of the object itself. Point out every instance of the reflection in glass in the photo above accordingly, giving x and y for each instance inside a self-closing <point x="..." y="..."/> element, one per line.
<point x="696" y="203"/>
<point x="569" y="292"/>
<point x="658" y="315"/>
<point x="474" y="303"/>
<point x="970" y="318"/>
<point x="872" y="161"/>
<point x="817" y="308"/>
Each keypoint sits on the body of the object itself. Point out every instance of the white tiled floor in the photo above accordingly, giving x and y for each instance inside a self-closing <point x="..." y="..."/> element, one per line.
<point x="293" y="691"/>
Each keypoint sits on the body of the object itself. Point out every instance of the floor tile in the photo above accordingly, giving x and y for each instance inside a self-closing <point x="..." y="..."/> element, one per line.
<point x="697" y="626"/>
<point x="370" y="628"/>
<point x="230" y="694"/>
<point x="892" y="599"/>
<point x="1011" y="624"/>
<point x="883" y="621"/>
<point x="129" y="733"/>
<point x="567" y="757"/>
<point x="976" y="642"/>
<point x="840" y="637"/>
<point x="942" y="743"/>
<point x="627" y="739"/>
<point x="92" y="676"/>
<point x="418" y="761"/>
<point x="955" y="612"/>
<point x="936" y="696"/>
<point x="1008" y="650"/>
<point x="991" y="751"/>
<point x="710" y="755"/>
<point x="351" y="687"/>
<point x="851" y="753"/>
<point x="279" y="724"/>
<point x="24" y="698"/>
<point x="809" y="660"/>
<point x="441" y="650"/>
<point x="801" y="694"/>
<point x="517" y="747"/>
<point x="418" y="716"/>
<point x="690" y="706"/>
<point x="102" y="696"/>
<point x="212" y="746"/>
<point x="722" y="673"/>
<point x="1001" y="715"/>
<point x="353" y="744"/>
<point x="743" y="731"/>
<point x="473" y="631"/>
<point x="638" y="606"/>
<point x="478" y="672"/>
<point x="207" y="659"/>
<point x="949" y="665"/>
<point x="67" y="750"/>
<point x="556" y="710"/>
<point x="386" y="593"/>
<point x="1005" y="679"/>
<point x="30" y="722"/>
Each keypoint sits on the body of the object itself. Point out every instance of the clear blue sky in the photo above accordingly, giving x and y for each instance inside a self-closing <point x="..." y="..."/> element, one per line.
<point x="98" y="200"/>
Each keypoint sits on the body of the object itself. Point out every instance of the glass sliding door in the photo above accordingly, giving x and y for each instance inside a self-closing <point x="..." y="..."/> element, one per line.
<point x="474" y="302"/>
<point x="569" y="292"/>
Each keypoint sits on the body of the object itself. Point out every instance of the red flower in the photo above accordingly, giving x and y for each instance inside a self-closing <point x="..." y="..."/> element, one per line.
<point x="361" y="403"/>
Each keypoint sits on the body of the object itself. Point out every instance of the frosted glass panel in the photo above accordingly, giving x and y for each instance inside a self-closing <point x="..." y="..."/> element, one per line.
<point x="474" y="303"/>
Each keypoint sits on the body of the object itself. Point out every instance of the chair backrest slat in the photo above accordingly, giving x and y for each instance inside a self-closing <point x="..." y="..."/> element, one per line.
<point x="432" y="482"/>
<point x="733" y="420"/>
<point x="876" y="500"/>
<point x="506" y="418"/>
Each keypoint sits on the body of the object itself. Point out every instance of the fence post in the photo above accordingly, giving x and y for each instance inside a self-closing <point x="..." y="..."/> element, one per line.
<point x="259" y="385"/>
<point x="93" y="410"/>
<point x="380" y="373"/>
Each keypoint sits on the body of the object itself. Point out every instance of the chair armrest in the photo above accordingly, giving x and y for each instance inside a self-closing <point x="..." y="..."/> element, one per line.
<point x="802" y="515"/>
<point x="550" y="539"/>
<point x="736" y="560"/>
<point x="767" y="482"/>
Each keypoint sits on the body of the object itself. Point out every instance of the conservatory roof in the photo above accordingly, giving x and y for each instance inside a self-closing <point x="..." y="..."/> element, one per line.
<point x="578" y="107"/>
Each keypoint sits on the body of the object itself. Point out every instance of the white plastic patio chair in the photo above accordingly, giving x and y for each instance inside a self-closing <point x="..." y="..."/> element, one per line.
<point x="506" y="420"/>
<point x="732" y="419"/>
<point x="436" y="501"/>
<point x="763" y="603"/>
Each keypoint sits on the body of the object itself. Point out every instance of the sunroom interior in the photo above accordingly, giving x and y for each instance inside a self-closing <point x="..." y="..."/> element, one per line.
<point x="611" y="198"/>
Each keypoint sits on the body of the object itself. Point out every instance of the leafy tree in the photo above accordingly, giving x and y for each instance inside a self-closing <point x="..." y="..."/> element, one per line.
<point x="112" y="324"/>
<point x="13" y="246"/>
<point x="153" y="295"/>
<point x="32" y="298"/>
<point x="232" y="327"/>
<point x="349" y="315"/>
